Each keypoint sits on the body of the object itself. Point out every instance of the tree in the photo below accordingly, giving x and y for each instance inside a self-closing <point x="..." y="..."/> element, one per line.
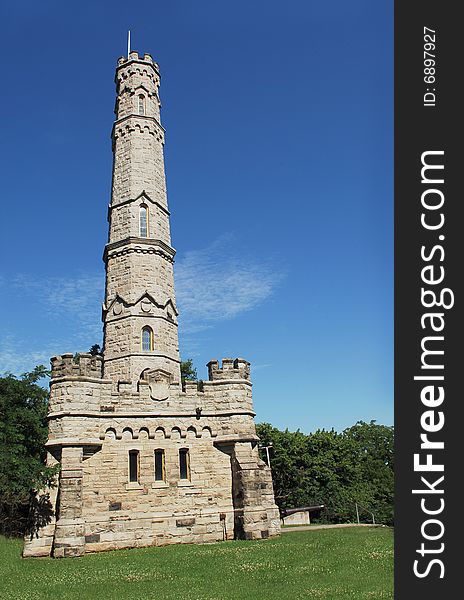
<point x="23" y="433"/>
<point x="95" y="350"/>
<point x="334" y="469"/>
<point x="288" y="462"/>
<point x="375" y="456"/>
<point x="188" y="371"/>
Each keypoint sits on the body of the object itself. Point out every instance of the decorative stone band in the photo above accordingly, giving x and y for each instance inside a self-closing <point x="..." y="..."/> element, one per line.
<point x="150" y="246"/>
<point x="140" y="251"/>
<point x="133" y="119"/>
<point x="131" y="315"/>
<point x="152" y="433"/>
<point x="132" y="90"/>
<point x="232" y="380"/>
<point x="141" y="124"/>
<point x="142" y="414"/>
<point x="81" y="378"/>
<point x="73" y="442"/>
<point x="146" y="296"/>
<point x="237" y="438"/>
<point x="144" y="354"/>
<point x="151" y="426"/>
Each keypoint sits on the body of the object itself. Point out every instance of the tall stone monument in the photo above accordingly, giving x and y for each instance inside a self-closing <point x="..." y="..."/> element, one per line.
<point x="144" y="459"/>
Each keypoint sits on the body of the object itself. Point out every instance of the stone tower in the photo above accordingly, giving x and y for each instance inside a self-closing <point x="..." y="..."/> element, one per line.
<point x="139" y="257"/>
<point x="145" y="460"/>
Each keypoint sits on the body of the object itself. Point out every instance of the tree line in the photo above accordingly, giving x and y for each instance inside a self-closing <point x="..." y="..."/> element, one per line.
<point x="23" y="433"/>
<point x="338" y="470"/>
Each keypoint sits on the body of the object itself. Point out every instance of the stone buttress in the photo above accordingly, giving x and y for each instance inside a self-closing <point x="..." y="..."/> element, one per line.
<point x="145" y="460"/>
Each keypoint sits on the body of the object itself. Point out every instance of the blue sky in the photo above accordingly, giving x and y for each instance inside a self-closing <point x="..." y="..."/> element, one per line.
<point x="279" y="146"/>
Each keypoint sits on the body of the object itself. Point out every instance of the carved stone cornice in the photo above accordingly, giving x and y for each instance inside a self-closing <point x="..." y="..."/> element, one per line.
<point x="147" y="355"/>
<point x="146" y="295"/>
<point x="144" y="118"/>
<point x="150" y="246"/>
<point x="149" y="414"/>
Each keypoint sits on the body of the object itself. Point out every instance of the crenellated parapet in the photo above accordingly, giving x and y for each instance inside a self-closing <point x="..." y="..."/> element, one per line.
<point x="134" y="57"/>
<point x="78" y="365"/>
<point x="78" y="386"/>
<point x="231" y="368"/>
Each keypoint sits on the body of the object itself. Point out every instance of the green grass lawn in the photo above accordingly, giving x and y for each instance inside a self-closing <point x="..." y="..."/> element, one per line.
<point x="330" y="563"/>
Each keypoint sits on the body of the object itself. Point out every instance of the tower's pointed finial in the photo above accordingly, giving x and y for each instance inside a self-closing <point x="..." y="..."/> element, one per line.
<point x="128" y="43"/>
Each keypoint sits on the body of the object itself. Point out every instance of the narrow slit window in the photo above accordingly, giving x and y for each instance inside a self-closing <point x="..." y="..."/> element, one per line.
<point x="134" y="466"/>
<point x="160" y="470"/>
<point x="184" y="463"/>
<point x="147" y="339"/>
<point x="141" y="104"/>
<point x="143" y="221"/>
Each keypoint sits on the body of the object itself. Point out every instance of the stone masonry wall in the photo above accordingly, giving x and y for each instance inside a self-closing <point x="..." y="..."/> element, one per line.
<point x="95" y="427"/>
<point x="156" y="512"/>
<point x="139" y="160"/>
<point x="125" y="220"/>
<point x="137" y="270"/>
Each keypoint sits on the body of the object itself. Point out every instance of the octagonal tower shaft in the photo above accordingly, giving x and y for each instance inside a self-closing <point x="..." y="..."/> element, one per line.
<point x="139" y="313"/>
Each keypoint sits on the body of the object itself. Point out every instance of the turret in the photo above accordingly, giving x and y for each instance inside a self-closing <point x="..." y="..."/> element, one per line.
<point x="238" y="368"/>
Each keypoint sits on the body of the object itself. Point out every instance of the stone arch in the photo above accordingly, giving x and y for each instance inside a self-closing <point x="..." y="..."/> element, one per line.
<point x="147" y="339"/>
<point x="144" y="220"/>
<point x="127" y="434"/>
<point x="141" y="101"/>
<point x="110" y="433"/>
<point x="142" y="374"/>
<point x="176" y="433"/>
<point x="160" y="433"/>
<point x="191" y="432"/>
<point x="206" y="432"/>
<point x="144" y="434"/>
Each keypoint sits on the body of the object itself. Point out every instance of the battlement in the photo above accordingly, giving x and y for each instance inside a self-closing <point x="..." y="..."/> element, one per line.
<point x="231" y="369"/>
<point x="79" y="365"/>
<point x="134" y="56"/>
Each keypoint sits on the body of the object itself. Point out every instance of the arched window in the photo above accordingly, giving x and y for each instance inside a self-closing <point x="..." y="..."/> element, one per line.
<point x="143" y="221"/>
<point x="147" y="339"/>
<point x="133" y="466"/>
<point x="141" y="104"/>
<point x="184" y="463"/>
<point x="160" y="471"/>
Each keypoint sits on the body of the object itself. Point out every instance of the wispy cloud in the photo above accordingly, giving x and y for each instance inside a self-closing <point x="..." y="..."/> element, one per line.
<point x="213" y="284"/>
<point x="217" y="283"/>
<point x="77" y="299"/>
<point x="15" y="358"/>
<point x="44" y="316"/>
<point x="255" y="368"/>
